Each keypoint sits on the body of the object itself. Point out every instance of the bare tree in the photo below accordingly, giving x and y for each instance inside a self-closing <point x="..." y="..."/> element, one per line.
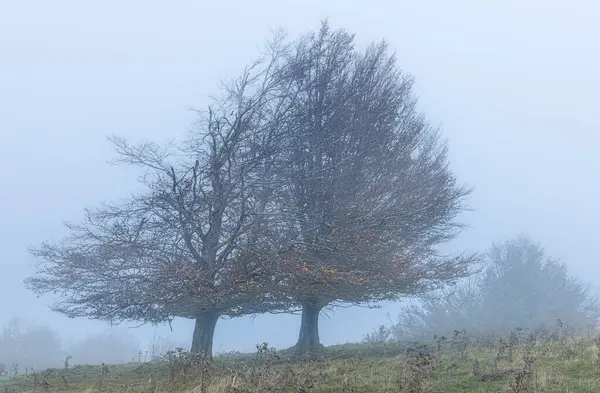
<point x="366" y="193"/>
<point x="312" y="182"/>
<point x="181" y="246"/>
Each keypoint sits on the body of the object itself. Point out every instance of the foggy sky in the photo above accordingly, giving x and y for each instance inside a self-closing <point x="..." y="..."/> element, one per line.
<point x="514" y="85"/>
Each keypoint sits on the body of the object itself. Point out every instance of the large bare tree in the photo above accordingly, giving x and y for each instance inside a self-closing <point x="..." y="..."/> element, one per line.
<point x="366" y="195"/>
<point x="183" y="245"/>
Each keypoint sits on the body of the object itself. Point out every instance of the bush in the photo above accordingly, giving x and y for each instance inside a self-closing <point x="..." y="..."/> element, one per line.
<point x="518" y="288"/>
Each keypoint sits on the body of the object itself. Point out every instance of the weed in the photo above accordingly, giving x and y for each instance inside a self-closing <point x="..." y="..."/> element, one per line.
<point x="597" y="359"/>
<point x="460" y="342"/>
<point x="513" y="342"/>
<point x="523" y="377"/>
<point x="182" y="363"/>
<point x="419" y="361"/>
<point x="439" y="342"/>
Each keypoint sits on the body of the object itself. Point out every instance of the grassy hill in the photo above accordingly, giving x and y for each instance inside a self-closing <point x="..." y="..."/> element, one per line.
<point x="461" y="364"/>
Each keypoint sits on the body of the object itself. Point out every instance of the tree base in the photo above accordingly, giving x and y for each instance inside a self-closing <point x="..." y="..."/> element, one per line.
<point x="296" y="351"/>
<point x="308" y="339"/>
<point x="204" y="332"/>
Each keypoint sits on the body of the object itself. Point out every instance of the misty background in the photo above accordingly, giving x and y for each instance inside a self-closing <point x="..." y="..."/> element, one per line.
<point x="512" y="84"/>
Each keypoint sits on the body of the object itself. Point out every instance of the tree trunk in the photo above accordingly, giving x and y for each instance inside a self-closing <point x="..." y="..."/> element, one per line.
<point x="204" y="332"/>
<point x="308" y="339"/>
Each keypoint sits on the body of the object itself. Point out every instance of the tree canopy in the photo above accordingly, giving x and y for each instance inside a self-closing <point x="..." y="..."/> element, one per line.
<point x="174" y="249"/>
<point x="312" y="180"/>
<point x="367" y="195"/>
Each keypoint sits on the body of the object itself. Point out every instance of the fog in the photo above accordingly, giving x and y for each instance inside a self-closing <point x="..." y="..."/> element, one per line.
<point x="512" y="84"/>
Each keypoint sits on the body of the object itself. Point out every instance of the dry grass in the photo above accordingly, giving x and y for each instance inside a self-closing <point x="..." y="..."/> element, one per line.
<point x="568" y="364"/>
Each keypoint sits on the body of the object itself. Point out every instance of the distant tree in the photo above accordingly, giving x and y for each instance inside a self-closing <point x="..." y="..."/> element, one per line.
<point x="366" y="194"/>
<point x="111" y="346"/>
<point x="380" y="335"/>
<point x="519" y="288"/>
<point x="34" y="347"/>
<point x="159" y="346"/>
<point x="41" y="347"/>
<point x="182" y="245"/>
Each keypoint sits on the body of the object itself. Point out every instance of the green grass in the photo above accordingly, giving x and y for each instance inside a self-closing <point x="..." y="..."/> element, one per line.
<point x="567" y="365"/>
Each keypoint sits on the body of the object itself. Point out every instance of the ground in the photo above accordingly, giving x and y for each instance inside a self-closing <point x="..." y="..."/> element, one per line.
<point x="566" y="364"/>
